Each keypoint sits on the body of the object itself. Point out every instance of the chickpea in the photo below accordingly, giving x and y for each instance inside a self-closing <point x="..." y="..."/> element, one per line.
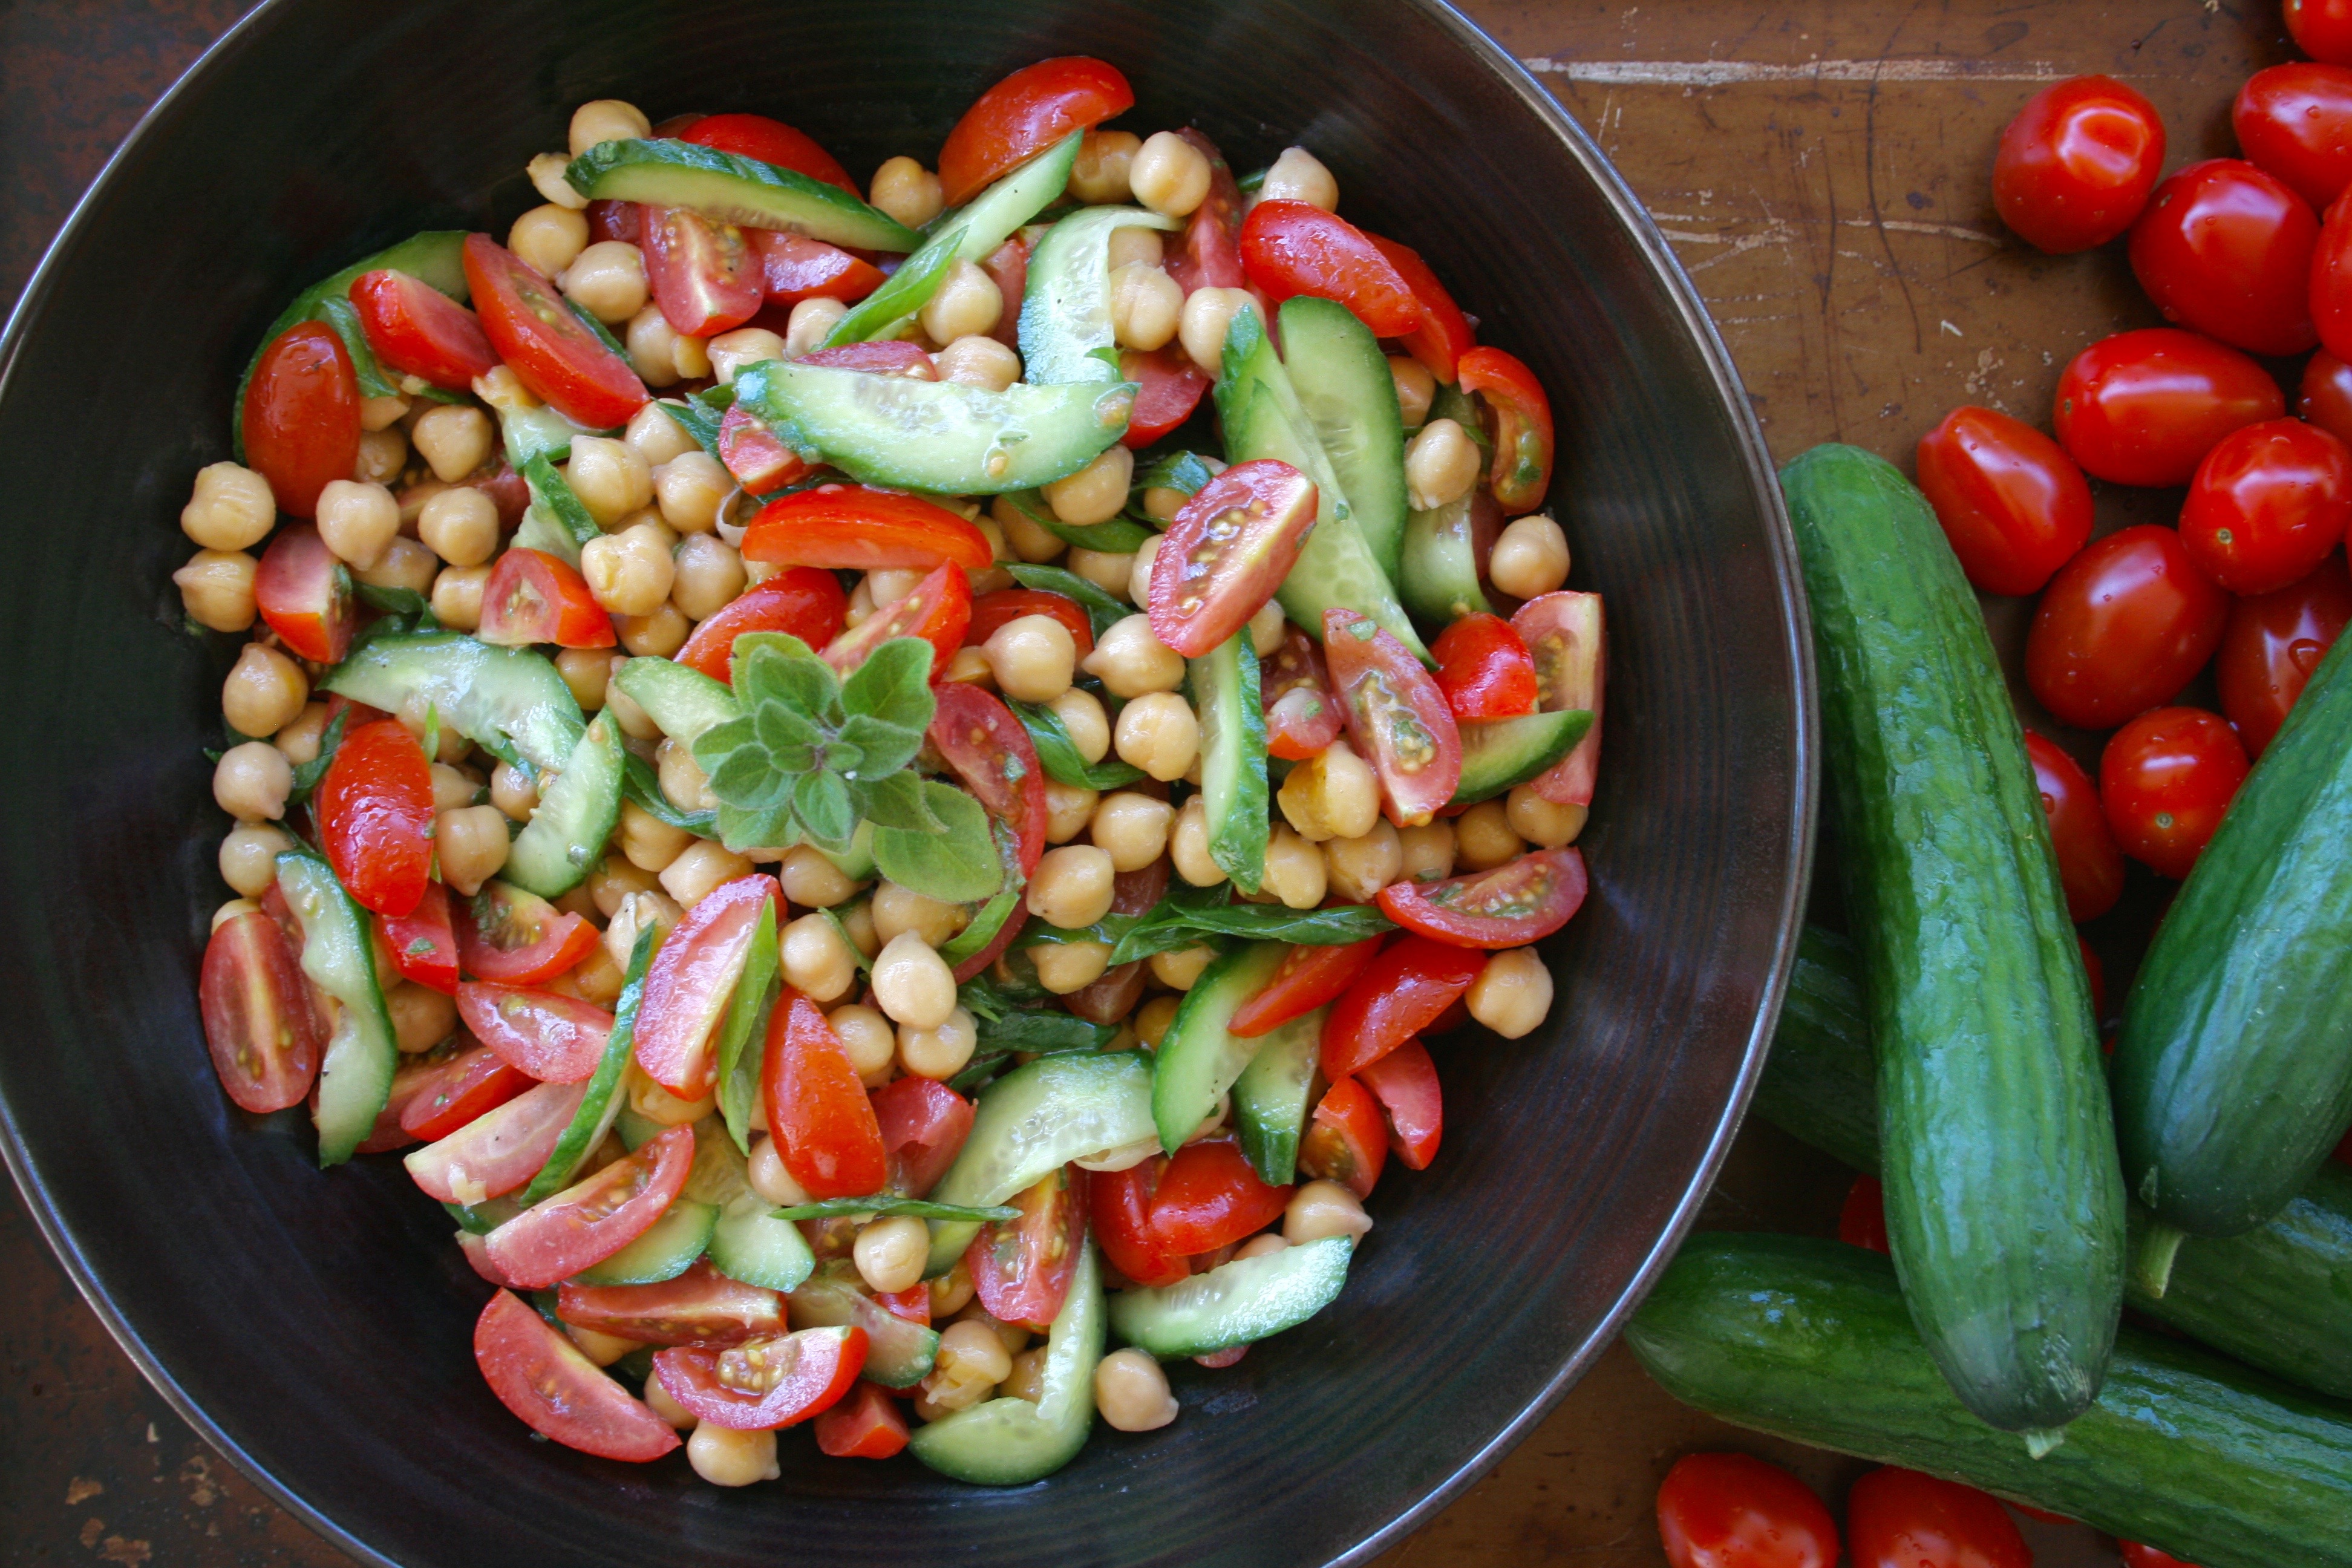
<point x="653" y="350"/>
<point x="1180" y="969"/>
<point x="1169" y="174"/>
<point x="1188" y="846"/>
<point x="601" y="1348"/>
<point x="768" y="1178"/>
<point x="300" y="737"/>
<point x="1132" y="1393"/>
<point x="967" y="303"/>
<point x="814" y="882"/>
<point x="1300" y="176"/>
<point x="656" y="436"/>
<point x="640" y="912"/>
<point x="656" y="635"/>
<point x="1134" y="246"/>
<point x="692" y="357"/>
<point x="857" y="920"/>
<point x="1294" y="869"/>
<point x="628" y="573"/>
<point x="659" y="1400"/>
<point x="1030" y="539"/>
<point x="1263" y="1245"/>
<point x="383" y="453"/>
<point x="616" y="880"/>
<point x="217" y="589"/>
<point x="1530" y="557"/>
<point x="726" y="1458"/>
<point x="913" y="984"/>
<point x="886" y="586"/>
<point x="906" y="191"/>
<point x="950" y="1292"/>
<point x="1032" y="657"/>
<point x="404" y="563"/>
<point x="1512" y="994"/>
<point x="870" y="1043"/>
<point x="232" y="908"/>
<point x="1071" y="888"/>
<point x="939" y="1053"/>
<point x="547" y="238"/>
<point x="460" y="525"/>
<point x="588" y="671"/>
<point x="977" y="360"/>
<point x="454" y="439"/>
<point x="457" y="596"/>
<point x="691" y="488"/>
<point x="1428" y="851"/>
<point x="357" y="521"/>
<point x="1096" y="492"/>
<point x="1482" y="838"/>
<point x="1131" y="829"/>
<point x="1100" y="176"/>
<point x="1027" y="1378"/>
<point x="730" y="351"/>
<point x="1145" y="306"/>
<point x="1360" y="867"/>
<point x="810" y="323"/>
<point x="972" y="1360"/>
<point x="472" y="845"/>
<point x="265" y="691"/>
<point x="1160" y="733"/>
<point x="1111" y="571"/>
<point x="1081" y="713"/>
<point x="607" y="280"/>
<point x="422" y="1017"/>
<point x="251" y="782"/>
<point x="1323" y="1208"/>
<point x="382" y="413"/>
<point x="514" y="791"/>
<point x="1207" y="316"/>
<point x="610" y="478"/>
<point x="1441" y="465"/>
<point x="899" y="910"/>
<point x="701" y="866"/>
<point x="815" y="960"/>
<point x="248" y="856"/>
<point x="604" y="120"/>
<point x="890" y="1253"/>
<point x="232" y="507"/>
<point x="1068" y="967"/>
<point x="1068" y="810"/>
<point x="1332" y="795"/>
<point x="1131" y="662"/>
<point x="1541" y="822"/>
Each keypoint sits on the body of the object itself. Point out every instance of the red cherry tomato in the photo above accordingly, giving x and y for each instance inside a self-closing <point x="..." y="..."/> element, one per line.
<point x="894" y="357"/>
<point x="1307" y="978"/>
<point x="2225" y="248"/>
<point x="2324" y="396"/>
<point x="1120" y="1202"/>
<point x="553" y="1038"/>
<point x="1168" y="387"/>
<point x="804" y="601"/>
<point x="301" y="416"/>
<point x="1861" y="1222"/>
<point x="1228" y="549"/>
<point x="853" y="528"/>
<point x="705" y="275"/>
<point x="415" y="328"/>
<point x="2268" y="504"/>
<point x="1405" y="1083"/>
<point x="939" y="611"/>
<point x="2076" y="164"/>
<point x="701" y="1306"/>
<point x="2321" y="29"/>
<point x="305" y="594"/>
<point x="2165" y="779"/>
<point x="1021" y="1268"/>
<point x="755" y="455"/>
<point x="1901" y="1519"/>
<point x="535" y="598"/>
<point x="1396" y="716"/>
<point x="2122" y="627"/>
<point x="2294" y="122"/>
<point x="1023" y="115"/>
<point x="1509" y="905"/>
<point x="2144" y="407"/>
<point x="991" y="751"/>
<point x="1732" y="1511"/>
<point x="549" y="348"/>
<point x="1114" y="996"/>
<point x="1345" y="1140"/>
<point x="1005" y="605"/>
<point x="2013" y="503"/>
<point x="2136" y="1555"/>
<point x="467" y="1086"/>
<point x="692" y="975"/>
<point x="864" y="1425"/>
<point x="374" y="810"/>
<point x="1444" y="335"/>
<point x="1302" y="715"/>
<point x="1210" y="255"/>
<point x="623" y="221"/>
<point x="825" y="1126"/>
<point x="2090" y="867"/>
<point x="770" y="141"/>
<point x="423" y="944"/>
<point x="1398" y="994"/>
<point x="516" y="938"/>
<point x="1483" y="669"/>
<point x="1294" y="247"/>
<point x="2096" y="972"/>
<point x="761" y="1385"/>
<point x="593" y="1218"/>
<point x="1565" y="636"/>
<point x="559" y="1393"/>
<point x="793" y="267"/>
<point x="2331" y="281"/>
<point x="924" y="1123"/>
<point x="264" y="1035"/>
<point x="2272" y="644"/>
<point x="1523" y="431"/>
<point x="1209" y="1197"/>
<point x="497" y="1151"/>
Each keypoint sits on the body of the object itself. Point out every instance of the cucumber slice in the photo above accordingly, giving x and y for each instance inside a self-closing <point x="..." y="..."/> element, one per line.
<point x="338" y="958"/>
<point x="603" y="1103"/>
<point x="1010" y="1442"/>
<point x="665" y="1251"/>
<point x="1065" y="331"/>
<point x="1272" y="1097"/>
<point x="748" y="1243"/>
<point x="729" y="189"/>
<point x="1440" y="571"/>
<point x="1199" y="1059"/>
<point x="899" y="1355"/>
<point x="564" y="839"/>
<point x="1509" y="752"/>
<point x="1350" y="399"/>
<point x="942" y="437"/>
<point x="529" y="429"/>
<point x="747" y="1020"/>
<point x="1232" y="758"/>
<point x="558" y="521"/>
<point x="683" y="703"/>
<point x="634" y="1131"/>
<point x="509" y="700"/>
<point x="1234" y="1303"/>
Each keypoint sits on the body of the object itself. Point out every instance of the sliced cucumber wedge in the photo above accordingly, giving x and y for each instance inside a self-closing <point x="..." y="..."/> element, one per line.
<point x="1510" y="752"/>
<point x="683" y="703"/>
<point x="1234" y="1303"/>
<point x="899" y="1355"/>
<point x="1066" y="330"/>
<point x="603" y="1102"/>
<point x="338" y="958"/>
<point x="666" y="1250"/>
<point x="1199" y="1058"/>
<point x="738" y="1061"/>
<point x="726" y="188"/>
<point x="1010" y="1442"/>
<point x="748" y="1243"/>
<point x="1440" y="573"/>
<point x="509" y="700"/>
<point x="1232" y="758"/>
<point x="564" y="839"/>
<point x="1272" y="1096"/>
<point x="1350" y="399"/>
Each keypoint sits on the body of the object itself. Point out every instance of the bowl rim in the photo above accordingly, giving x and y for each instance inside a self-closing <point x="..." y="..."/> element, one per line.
<point x="1762" y="478"/>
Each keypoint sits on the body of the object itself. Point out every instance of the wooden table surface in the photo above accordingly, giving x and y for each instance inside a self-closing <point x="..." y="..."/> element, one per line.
<point x="1822" y="169"/>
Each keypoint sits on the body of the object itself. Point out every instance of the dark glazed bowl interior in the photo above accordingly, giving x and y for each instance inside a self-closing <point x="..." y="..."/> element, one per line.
<point x="318" y="1326"/>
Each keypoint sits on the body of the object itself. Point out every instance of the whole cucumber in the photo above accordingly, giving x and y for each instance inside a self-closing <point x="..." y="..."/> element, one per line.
<point x="2004" y="1201"/>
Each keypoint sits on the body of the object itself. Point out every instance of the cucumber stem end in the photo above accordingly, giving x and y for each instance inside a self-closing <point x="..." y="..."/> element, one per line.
<point x="2152" y="1264"/>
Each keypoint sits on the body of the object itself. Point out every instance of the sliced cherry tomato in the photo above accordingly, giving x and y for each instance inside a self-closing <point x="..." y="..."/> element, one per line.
<point x="2321" y="29"/>
<point x="2076" y="164"/>
<point x="2122" y="627"/>
<point x="1168" y="388"/>
<point x="1120" y="1203"/>
<point x="551" y="1388"/>
<point x="2225" y="250"/>
<point x="705" y="275"/>
<point x="2269" y="503"/>
<point x="2272" y="644"/>
<point x="1523" y="430"/>
<point x="2165" y="779"/>
<point x="1405" y="1083"/>
<point x="2013" y="503"/>
<point x="374" y="810"/>
<point x="1308" y="977"/>
<point x="991" y="751"/>
<point x="411" y="1076"/>
<point x="1005" y="605"/>
<point x="924" y="1123"/>
<point x="912" y="1305"/>
<point x="1023" y="115"/>
<point x="937" y="611"/>
<point x="768" y="141"/>
<point x="535" y="598"/>
<point x="623" y="221"/>
<point x="423" y="944"/>
<point x="1734" y="1510"/>
<point x="1229" y="548"/>
<point x="825" y="1126"/>
<point x="1396" y="716"/>
<point x="853" y="528"/>
<point x="468" y="1085"/>
<point x="762" y="1385"/>
<point x="864" y="1425"/>
<point x="693" y="974"/>
<point x="2090" y="867"/>
<point x="2324" y="396"/>
<point x="593" y="1218"/>
<point x="499" y="1151"/>
<point x="1345" y="1140"/>
<point x="1210" y="255"/>
<point x="1398" y="994"/>
<point x="305" y="594"/>
<point x="793" y="267"/>
<point x="805" y="601"/>
<point x="553" y="1038"/>
<point x="1302" y="715"/>
<point x="1566" y="637"/>
<point x="515" y="937"/>
<point x="1483" y="669"/>
<point x="1208" y="1197"/>
<point x="2136" y="1555"/>
<point x="2294" y="122"/>
<point x="416" y="329"/>
<point x="2144" y="407"/>
<point x="1444" y="335"/>
<point x="1509" y="905"/>
<point x="1294" y="247"/>
<point x="701" y="1306"/>
<point x="1008" y="267"/>
<point x="893" y="357"/>
<point x="548" y="347"/>
<point x="755" y="455"/>
<point x="264" y="1035"/>
<point x="1901" y="1519"/>
<point x="301" y="419"/>
<point x="1862" y="1221"/>
<point x="1021" y="1268"/>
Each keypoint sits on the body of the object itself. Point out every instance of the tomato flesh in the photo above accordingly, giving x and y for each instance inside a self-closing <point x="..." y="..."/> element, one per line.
<point x="1345" y="1140"/>
<point x="535" y="598"/>
<point x="991" y="751"/>
<point x="768" y="141"/>
<point x="2226" y="250"/>
<point x="1734" y="1510"/>
<point x="301" y="416"/>
<point x="515" y="937"/>
<point x="557" y="1392"/>
<point x="2269" y="503"/>
<point x="2076" y="164"/>
<point x="468" y="1085"/>
<point x="1022" y="1269"/>
<point x="411" y="1076"/>
<point x="423" y="944"/>
<point x="793" y="267"/>
<point x="2090" y="867"/>
<point x="824" y="1126"/>
<point x="693" y="974"/>
<point x="1901" y="1519"/>
<point x="1210" y="255"/>
<point x="2165" y="779"/>
<point x="1294" y="247"/>
<point x="1308" y="977"/>
<point x="891" y="357"/>
<point x="497" y="1151"/>
<point x="2122" y="627"/>
<point x="589" y="1221"/>
<point x="264" y="1035"/>
<point x="1004" y="605"/>
<point x="1228" y="549"/>
<point x="706" y="276"/>
<point x="553" y="1038"/>
<point x="1509" y="905"/>
<point x="1396" y="716"/>
<point x="305" y="594"/>
<point x="866" y="1425"/>
<point x="762" y="1385"/>
<point x="1121" y="1203"/>
<point x="546" y="345"/>
<point x="805" y="601"/>
<point x="416" y="329"/>
<point x="1023" y="115"/>
<point x="2271" y="644"/>
<point x="1485" y="669"/>
<point x="1523" y="428"/>
<point x="853" y="528"/>
<point x="937" y="611"/>
<point x="1405" y="1083"/>
<point x="2013" y="503"/>
<point x="2144" y="407"/>
<point x="1565" y="635"/>
<point x="1302" y="715"/>
<point x="1400" y="994"/>
<point x="701" y="1306"/>
<point x="1168" y="387"/>
<point x="374" y="810"/>
<point x="923" y="1123"/>
<point x="1208" y="1197"/>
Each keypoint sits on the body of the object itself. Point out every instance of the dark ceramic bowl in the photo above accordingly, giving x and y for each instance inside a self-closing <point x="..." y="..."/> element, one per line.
<point x="316" y="1327"/>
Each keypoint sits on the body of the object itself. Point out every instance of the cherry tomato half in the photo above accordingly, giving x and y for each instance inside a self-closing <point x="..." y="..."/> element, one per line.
<point x="705" y="275"/>
<point x="1022" y="1269"/>
<point x="924" y="1123"/>
<point x="991" y="751"/>
<point x="516" y="938"/>
<point x="804" y="601"/>
<point x="1510" y="906"/>
<point x="259" y="1026"/>
<point x="2122" y="627"/>
<point x="768" y="141"/>
<point x="701" y="1306"/>
<point x="423" y="944"/>
<point x="2136" y="1555"/>
<point x="2013" y="503"/>
<point x="2225" y="248"/>
<point x="1566" y="638"/>
<point x="1208" y="1197"/>
<point x="1862" y="1220"/>
<point x="412" y="1075"/>
<point x="2269" y="503"/>
<point x="2144" y="407"/>
<point x="1901" y="1519"/>
<point x="1396" y="716"/>
<point x="2090" y="867"/>
<point x="793" y="267"/>
<point x="2294" y="122"/>
<point x="553" y="1038"/>
<point x="1345" y="1140"/>
<point x="416" y="329"/>
<point x="305" y="594"/>
<point x="1405" y="1083"/>
<point x="548" y="347"/>
<point x="1400" y="994"/>
<point x="593" y="1218"/>
<point x="1008" y="267"/>
<point x="1302" y="715"/>
<point x="1308" y="977"/>
<point x="2324" y="396"/>
<point x="1483" y="669"/>
<point x="468" y="1085"/>
<point x="535" y="598"/>
<point x="1120" y="1203"/>
<point x="755" y="455"/>
<point x="1733" y="1511"/>
<point x="853" y="528"/>
<point x="691" y="980"/>
<point x="2165" y="779"/>
<point x="301" y="416"/>
<point x="1023" y="115"/>
<point x="1228" y="549"/>
<point x="497" y="1152"/>
<point x="2076" y="164"/>
<point x="864" y="1425"/>
<point x="374" y="810"/>
<point x="762" y="1385"/>
<point x="1005" y="605"/>
<point x="1210" y="255"/>
<point x="557" y="1392"/>
<point x="1444" y="335"/>
<point x="1294" y="247"/>
<point x="939" y="611"/>
<point x="1523" y="431"/>
<point x="825" y="1126"/>
<point x="893" y="357"/>
<point x="1168" y="387"/>
<point x="2272" y="644"/>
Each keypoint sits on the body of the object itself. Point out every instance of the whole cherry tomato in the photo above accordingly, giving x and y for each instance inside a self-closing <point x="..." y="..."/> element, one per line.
<point x="1734" y="1510"/>
<point x="2272" y="644"/>
<point x="2331" y="281"/>
<point x="2296" y="121"/>
<point x="1023" y="115"/>
<point x="2076" y="164"/>
<point x="2226" y="248"/>
<point x="2012" y="501"/>
<point x="2268" y="504"/>
<point x="2321" y="29"/>
<point x="2165" y="779"/>
<point x="2324" y="396"/>
<point x="2090" y="867"/>
<point x="2144" y="407"/>
<point x="301" y="416"/>
<point x="2122" y="627"/>
<point x="1861" y="1219"/>
<point x="1901" y="1519"/>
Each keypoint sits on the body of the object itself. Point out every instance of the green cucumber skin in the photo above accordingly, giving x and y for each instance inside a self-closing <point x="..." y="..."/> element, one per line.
<point x="1508" y="753"/>
<point x="564" y="840"/>
<point x="1819" y="1083"/>
<point x="681" y="701"/>
<point x="1345" y="385"/>
<point x="1272" y="1096"/>
<point x="1198" y="1058"/>
<point x="730" y="189"/>
<point x="1810" y="1340"/>
<point x="1008" y="1442"/>
<point x="1232" y="758"/>
<point x="2004" y="1198"/>
<point x="339" y="957"/>
<point x="1066" y="329"/>
<point x="510" y="700"/>
<point x="1235" y="1303"/>
<point x="667" y="1250"/>
<point x="900" y="1353"/>
<point x="1438" y="573"/>
<point x="2233" y="1071"/>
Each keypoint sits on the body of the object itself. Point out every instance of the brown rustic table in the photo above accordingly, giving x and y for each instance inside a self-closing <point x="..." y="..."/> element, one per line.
<point x="1820" y="168"/>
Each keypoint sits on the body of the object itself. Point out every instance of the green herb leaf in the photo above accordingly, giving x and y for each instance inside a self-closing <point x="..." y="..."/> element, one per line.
<point x="343" y="318"/>
<point x="891" y="1204"/>
<point x="1041" y="1032"/>
<point x="827" y="816"/>
<point x="894" y="685"/>
<point x="968" y="941"/>
<point x="899" y="801"/>
<point x="604" y="334"/>
<point x="1060" y="756"/>
<point x="857" y="953"/>
<point x="307" y="776"/>
<point x="1119" y="536"/>
<point x="956" y="866"/>
<point x="555" y="497"/>
<point x="747" y="1020"/>
<point x="778" y="668"/>
<point x="696" y="420"/>
<point x="1175" y="469"/>
<point x="1173" y="925"/>
<point x="789" y="737"/>
<point x="747" y="778"/>
<point x="642" y="785"/>
<point x="742" y="830"/>
<point x="1101" y="608"/>
<point x="884" y="748"/>
<point x="396" y="601"/>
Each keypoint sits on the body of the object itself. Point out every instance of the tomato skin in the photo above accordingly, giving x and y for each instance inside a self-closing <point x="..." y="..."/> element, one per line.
<point x="1901" y="1519"/>
<point x="755" y="456"/>
<point x="1210" y="255"/>
<point x="2321" y="29"/>
<point x="2144" y="407"/>
<point x="516" y="938"/>
<point x="1022" y="1269"/>
<point x="1294" y="247"/>
<point x="374" y="810"/>
<point x="537" y="334"/>
<point x="1302" y="715"/>
<point x="692" y="973"/>
<point x="793" y="267"/>
<point x="1208" y="1197"/>
<point x="593" y="1218"/>
<point x="2165" y="779"/>
<point x="864" y="1425"/>
<point x="2324" y="396"/>
<point x="2136" y="1555"/>
<point x="553" y="1038"/>
<point x="1396" y="716"/>
<point x="1405" y="1083"/>
<point x="535" y="598"/>
<point x="2122" y="627"/>
<point x="301" y="416"/>
<point x="1509" y="905"/>
<point x="706" y="276"/>
<point x="1398" y="994"/>
<point x="264" y="1035"/>
<point x="557" y="1392"/>
<point x="1566" y="636"/>
<point x="305" y="594"/>
<point x="2226" y="250"/>
<point x="1229" y="548"/>
<point x="701" y="1306"/>
<point x="615" y="220"/>
<point x="2090" y="867"/>
<point x="1168" y="388"/>
<point x="1485" y="669"/>
<point x="2331" y="281"/>
<point x="1345" y="1140"/>
<point x="1308" y="977"/>
<point x="415" y="328"/>
<point x="804" y="601"/>
<point x="1733" y="1511"/>
<point x="825" y="1126"/>
<point x="939" y="611"/>
<point x="2268" y="504"/>
<point x="1008" y="267"/>
<point x="991" y="751"/>
<point x="1120" y="1203"/>
<point x="1005" y="605"/>
<point x="1444" y="335"/>
<point x="1023" y="115"/>
<point x="2013" y="503"/>
<point x="1862" y="1221"/>
<point x="857" y="529"/>
<point x="2295" y="122"/>
<point x="2075" y="166"/>
<point x="768" y="141"/>
<point x="2272" y="644"/>
<point x="497" y="1152"/>
<point x="813" y="1368"/>
<point x="893" y="357"/>
<point x="468" y="1085"/>
<point x="924" y="1123"/>
<point x="387" y="1134"/>
<point x="423" y="944"/>
<point x="1523" y="428"/>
